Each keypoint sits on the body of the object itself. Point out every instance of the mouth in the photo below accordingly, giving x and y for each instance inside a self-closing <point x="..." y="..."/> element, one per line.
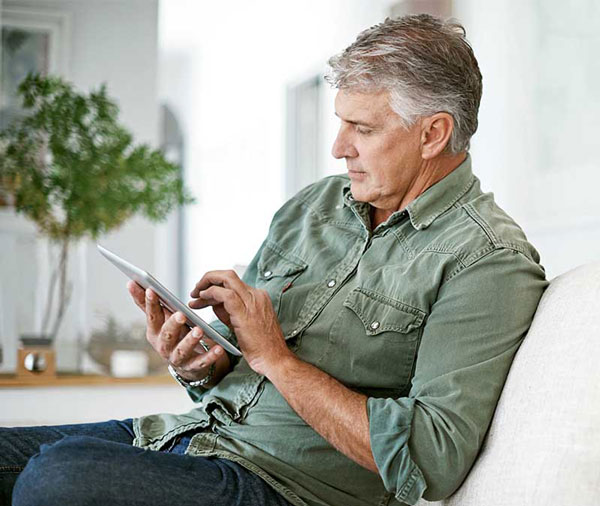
<point x="356" y="173"/>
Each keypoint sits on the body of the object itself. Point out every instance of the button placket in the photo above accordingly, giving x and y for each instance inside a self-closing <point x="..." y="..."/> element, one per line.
<point x="323" y="293"/>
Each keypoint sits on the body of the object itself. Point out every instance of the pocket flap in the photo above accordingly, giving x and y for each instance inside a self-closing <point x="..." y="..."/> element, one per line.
<point x="380" y="313"/>
<point x="274" y="262"/>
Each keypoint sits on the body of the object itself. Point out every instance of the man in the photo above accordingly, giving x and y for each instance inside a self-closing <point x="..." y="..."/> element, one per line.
<point x="377" y="321"/>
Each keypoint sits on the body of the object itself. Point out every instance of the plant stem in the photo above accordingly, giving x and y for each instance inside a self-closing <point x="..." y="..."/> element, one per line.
<point x="64" y="288"/>
<point x="49" y="298"/>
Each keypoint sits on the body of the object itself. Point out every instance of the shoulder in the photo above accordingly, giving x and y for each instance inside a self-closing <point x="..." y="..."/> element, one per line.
<point x="476" y="226"/>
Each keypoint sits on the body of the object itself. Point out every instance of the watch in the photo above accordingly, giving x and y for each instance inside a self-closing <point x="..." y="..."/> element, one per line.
<point x="198" y="383"/>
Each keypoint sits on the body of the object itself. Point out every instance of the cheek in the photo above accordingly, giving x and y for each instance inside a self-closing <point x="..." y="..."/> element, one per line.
<point x="374" y="153"/>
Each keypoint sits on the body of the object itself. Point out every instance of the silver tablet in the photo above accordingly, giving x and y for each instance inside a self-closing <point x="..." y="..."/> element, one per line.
<point x="167" y="299"/>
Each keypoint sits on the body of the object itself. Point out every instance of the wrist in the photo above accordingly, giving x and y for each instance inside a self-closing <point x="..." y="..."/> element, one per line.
<point x="184" y="382"/>
<point x="202" y="381"/>
<point x="280" y="365"/>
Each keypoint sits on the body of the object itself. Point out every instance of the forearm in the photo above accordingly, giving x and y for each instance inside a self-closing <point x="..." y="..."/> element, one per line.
<point x="333" y="410"/>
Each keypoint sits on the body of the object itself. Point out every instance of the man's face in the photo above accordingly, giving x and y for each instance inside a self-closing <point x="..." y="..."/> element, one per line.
<point x="382" y="156"/>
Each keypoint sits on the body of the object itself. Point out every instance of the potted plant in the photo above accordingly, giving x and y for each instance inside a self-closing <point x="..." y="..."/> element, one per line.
<point x="69" y="166"/>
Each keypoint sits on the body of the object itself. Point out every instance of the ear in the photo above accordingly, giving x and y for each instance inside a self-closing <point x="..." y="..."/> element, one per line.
<point x="435" y="134"/>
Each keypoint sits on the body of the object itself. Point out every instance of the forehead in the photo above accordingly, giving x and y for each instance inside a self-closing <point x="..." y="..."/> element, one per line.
<point x="355" y="106"/>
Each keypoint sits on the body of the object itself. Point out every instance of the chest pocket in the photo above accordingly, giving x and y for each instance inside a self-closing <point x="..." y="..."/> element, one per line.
<point x="375" y="339"/>
<point x="382" y="316"/>
<point x="277" y="270"/>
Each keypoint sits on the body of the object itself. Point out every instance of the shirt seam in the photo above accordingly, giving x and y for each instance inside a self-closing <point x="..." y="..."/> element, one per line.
<point x="445" y="251"/>
<point x="493" y="238"/>
<point x="152" y="443"/>
<point x="341" y="224"/>
<point x="402" y="239"/>
<point x="489" y="232"/>
<point x="408" y="485"/>
<point x="478" y="255"/>
<point x="436" y="214"/>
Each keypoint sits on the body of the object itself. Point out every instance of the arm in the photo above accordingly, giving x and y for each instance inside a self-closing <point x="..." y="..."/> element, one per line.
<point x="422" y="445"/>
<point x="333" y="410"/>
<point x="425" y="444"/>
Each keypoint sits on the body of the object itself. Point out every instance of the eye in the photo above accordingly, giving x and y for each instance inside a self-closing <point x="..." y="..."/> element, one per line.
<point x="362" y="130"/>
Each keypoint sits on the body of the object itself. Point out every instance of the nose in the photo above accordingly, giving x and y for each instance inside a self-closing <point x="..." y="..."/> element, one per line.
<point x="343" y="146"/>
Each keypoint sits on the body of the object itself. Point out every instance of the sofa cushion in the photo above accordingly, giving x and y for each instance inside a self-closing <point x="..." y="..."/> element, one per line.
<point x="543" y="447"/>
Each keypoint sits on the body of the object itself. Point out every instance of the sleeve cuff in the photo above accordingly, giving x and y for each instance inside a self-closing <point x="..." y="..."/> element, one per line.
<point x="390" y="423"/>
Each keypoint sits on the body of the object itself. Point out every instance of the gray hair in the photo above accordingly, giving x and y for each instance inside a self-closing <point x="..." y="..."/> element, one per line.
<point x="426" y="65"/>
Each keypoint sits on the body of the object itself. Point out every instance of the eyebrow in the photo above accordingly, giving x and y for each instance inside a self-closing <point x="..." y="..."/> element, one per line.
<point x="356" y="122"/>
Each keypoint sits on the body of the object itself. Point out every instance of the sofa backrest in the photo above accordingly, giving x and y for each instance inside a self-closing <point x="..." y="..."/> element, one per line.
<point x="543" y="447"/>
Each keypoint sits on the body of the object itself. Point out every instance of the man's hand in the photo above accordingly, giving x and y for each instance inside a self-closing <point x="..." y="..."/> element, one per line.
<point x="248" y="312"/>
<point x="174" y="341"/>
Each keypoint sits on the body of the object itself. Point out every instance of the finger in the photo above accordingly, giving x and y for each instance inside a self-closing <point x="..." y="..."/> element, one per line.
<point x="137" y="294"/>
<point x="167" y="313"/>
<point x="227" y="279"/>
<point x="206" y="359"/>
<point x="222" y="315"/>
<point x="185" y="351"/>
<point x="217" y="295"/>
<point x="217" y="307"/>
<point x="170" y="333"/>
<point x="154" y="315"/>
<point x="199" y="303"/>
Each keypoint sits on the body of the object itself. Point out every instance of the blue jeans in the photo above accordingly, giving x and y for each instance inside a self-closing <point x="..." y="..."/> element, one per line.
<point x="96" y="464"/>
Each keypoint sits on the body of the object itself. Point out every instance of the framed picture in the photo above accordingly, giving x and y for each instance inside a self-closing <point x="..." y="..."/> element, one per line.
<point x="31" y="41"/>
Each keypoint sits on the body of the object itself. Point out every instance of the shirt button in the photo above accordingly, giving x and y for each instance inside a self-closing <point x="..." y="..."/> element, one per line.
<point x="331" y="283"/>
<point x="267" y="274"/>
<point x="375" y="325"/>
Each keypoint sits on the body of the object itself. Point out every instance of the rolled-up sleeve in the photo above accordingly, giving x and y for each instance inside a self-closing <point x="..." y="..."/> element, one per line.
<point x="425" y="444"/>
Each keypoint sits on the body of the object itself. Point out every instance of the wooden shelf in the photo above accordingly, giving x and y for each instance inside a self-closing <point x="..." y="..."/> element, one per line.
<point x="76" y="380"/>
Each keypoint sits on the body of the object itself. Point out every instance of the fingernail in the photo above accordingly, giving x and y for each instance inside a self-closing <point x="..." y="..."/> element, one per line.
<point x="196" y="332"/>
<point x="180" y="318"/>
<point x="149" y="293"/>
<point x="218" y="351"/>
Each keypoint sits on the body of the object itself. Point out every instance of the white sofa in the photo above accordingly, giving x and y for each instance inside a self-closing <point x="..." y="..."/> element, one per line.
<point x="543" y="447"/>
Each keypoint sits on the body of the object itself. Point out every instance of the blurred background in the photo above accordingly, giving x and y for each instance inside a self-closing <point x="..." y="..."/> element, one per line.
<point x="234" y="93"/>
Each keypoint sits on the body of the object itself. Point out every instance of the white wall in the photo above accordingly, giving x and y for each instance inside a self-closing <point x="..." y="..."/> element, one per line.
<point x="111" y="41"/>
<point x="537" y="141"/>
<point x="224" y="69"/>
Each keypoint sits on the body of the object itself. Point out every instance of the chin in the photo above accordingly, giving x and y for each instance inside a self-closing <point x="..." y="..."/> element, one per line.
<point x="358" y="192"/>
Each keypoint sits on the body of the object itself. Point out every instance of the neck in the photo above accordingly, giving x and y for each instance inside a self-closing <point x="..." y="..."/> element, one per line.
<point x="432" y="171"/>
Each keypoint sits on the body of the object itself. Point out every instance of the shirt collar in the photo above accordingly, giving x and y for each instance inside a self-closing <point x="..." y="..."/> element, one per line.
<point x="434" y="201"/>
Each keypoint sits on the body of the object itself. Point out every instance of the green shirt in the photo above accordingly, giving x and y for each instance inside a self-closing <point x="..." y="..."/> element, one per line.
<point x="423" y="315"/>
